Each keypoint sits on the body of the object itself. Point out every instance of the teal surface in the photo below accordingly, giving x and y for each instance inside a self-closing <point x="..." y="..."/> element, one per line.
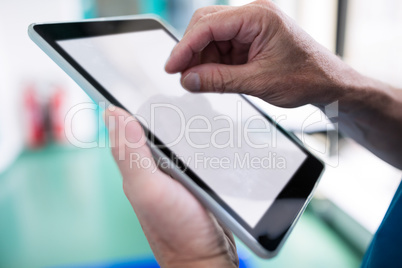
<point x="66" y="207"/>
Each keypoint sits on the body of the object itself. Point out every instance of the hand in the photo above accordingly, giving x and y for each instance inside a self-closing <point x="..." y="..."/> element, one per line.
<point x="257" y="50"/>
<point x="179" y="230"/>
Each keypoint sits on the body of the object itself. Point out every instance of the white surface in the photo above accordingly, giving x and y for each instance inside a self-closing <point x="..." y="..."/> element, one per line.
<point x="22" y="63"/>
<point x="316" y="17"/>
<point x="362" y="185"/>
<point x="10" y="138"/>
<point x="374" y="39"/>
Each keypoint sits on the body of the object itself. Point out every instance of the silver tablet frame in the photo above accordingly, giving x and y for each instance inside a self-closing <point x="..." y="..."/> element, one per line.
<point x="221" y="214"/>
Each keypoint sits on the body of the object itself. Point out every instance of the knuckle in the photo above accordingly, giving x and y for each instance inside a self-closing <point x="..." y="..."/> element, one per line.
<point x="221" y="80"/>
<point x="200" y="12"/>
<point x="206" y="17"/>
<point x="214" y="81"/>
<point x="218" y="82"/>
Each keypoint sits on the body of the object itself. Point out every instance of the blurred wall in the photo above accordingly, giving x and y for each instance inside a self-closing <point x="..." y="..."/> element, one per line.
<point x="24" y="65"/>
<point x="374" y="39"/>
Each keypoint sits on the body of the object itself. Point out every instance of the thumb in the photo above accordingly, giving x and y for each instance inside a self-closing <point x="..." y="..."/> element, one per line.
<point x="129" y="147"/>
<point x="213" y="77"/>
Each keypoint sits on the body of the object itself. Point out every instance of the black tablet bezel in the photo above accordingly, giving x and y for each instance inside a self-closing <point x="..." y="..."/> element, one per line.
<point x="298" y="189"/>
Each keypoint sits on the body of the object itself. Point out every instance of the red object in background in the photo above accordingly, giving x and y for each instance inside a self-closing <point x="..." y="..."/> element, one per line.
<point x="56" y="114"/>
<point x="36" y="136"/>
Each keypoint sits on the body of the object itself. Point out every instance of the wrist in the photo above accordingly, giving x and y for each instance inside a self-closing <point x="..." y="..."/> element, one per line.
<point x="364" y="95"/>
<point x="353" y="91"/>
<point x="334" y="81"/>
<point x="223" y="261"/>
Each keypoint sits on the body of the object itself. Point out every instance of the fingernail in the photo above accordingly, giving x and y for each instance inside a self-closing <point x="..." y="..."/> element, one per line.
<point x="192" y="82"/>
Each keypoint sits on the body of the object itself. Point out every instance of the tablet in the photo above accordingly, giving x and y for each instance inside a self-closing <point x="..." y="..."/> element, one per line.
<point x="255" y="177"/>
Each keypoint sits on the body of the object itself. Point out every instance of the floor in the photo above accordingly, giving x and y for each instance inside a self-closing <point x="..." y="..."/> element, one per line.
<point x="65" y="207"/>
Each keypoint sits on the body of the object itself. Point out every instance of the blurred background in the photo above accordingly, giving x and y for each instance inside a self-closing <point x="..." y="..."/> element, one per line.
<point x="61" y="206"/>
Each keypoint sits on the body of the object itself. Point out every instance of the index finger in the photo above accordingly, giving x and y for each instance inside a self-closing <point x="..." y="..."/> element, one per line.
<point x="219" y="26"/>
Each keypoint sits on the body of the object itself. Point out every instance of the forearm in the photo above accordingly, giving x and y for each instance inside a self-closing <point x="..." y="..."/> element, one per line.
<point x="370" y="112"/>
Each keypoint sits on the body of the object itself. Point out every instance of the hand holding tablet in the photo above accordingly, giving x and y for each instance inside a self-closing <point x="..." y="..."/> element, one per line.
<point x="250" y="173"/>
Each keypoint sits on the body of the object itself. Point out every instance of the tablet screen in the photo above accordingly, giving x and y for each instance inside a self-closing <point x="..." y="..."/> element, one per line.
<point x="231" y="147"/>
